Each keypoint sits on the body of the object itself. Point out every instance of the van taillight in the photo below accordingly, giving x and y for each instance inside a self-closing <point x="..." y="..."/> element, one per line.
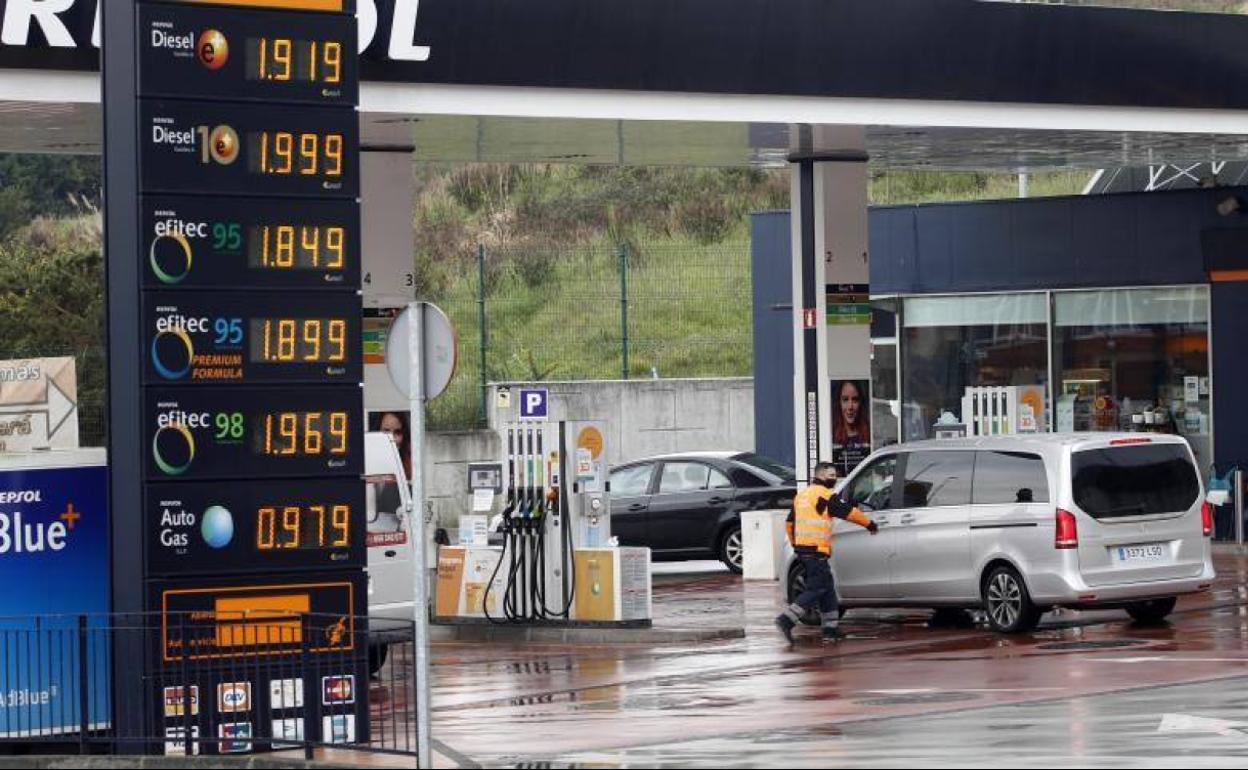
<point x="1067" y="531"/>
<point x="1206" y="518"/>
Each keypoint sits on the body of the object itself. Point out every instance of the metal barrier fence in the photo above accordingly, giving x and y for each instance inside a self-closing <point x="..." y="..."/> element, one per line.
<point x="216" y="684"/>
<point x="592" y="312"/>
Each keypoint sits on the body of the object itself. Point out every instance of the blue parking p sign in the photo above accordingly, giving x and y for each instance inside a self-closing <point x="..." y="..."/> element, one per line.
<point x="534" y="404"/>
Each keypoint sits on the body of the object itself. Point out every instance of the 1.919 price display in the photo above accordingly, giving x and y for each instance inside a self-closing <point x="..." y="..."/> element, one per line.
<point x="204" y="528"/>
<point x="253" y="433"/>
<point x="247" y="54"/>
<point x="244" y="243"/>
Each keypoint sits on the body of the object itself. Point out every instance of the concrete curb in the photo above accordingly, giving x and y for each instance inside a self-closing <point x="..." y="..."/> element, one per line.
<point x="548" y="635"/>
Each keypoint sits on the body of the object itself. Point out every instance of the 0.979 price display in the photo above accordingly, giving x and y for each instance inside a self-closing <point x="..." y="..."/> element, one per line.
<point x="253" y="433"/>
<point x="203" y="528"/>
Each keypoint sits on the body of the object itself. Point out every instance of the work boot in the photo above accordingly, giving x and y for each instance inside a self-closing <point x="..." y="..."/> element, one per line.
<point x="786" y="626"/>
<point x="831" y="635"/>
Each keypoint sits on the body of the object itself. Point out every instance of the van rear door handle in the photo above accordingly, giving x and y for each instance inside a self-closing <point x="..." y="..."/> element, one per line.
<point x="636" y="507"/>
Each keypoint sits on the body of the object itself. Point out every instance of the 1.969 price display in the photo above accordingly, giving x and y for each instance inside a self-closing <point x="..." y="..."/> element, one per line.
<point x="203" y="528"/>
<point x="253" y="433"/>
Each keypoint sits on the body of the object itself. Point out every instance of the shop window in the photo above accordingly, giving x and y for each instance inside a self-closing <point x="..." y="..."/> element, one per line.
<point x="955" y="348"/>
<point x="1134" y="360"/>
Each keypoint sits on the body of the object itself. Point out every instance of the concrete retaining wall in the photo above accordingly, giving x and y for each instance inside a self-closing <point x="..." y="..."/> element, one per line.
<point x="642" y="418"/>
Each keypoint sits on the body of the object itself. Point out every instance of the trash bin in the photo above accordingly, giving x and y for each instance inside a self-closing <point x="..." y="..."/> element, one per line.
<point x="762" y="544"/>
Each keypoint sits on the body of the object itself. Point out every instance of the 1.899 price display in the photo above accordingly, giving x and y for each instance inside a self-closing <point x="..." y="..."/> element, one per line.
<point x="253" y="433"/>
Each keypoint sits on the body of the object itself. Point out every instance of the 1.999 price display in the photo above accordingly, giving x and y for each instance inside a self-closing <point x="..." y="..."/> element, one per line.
<point x="253" y="433"/>
<point x="206" y="528"/>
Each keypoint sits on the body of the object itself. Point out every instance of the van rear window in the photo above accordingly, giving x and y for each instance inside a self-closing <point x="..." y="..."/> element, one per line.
<point x="1135" y="480"/>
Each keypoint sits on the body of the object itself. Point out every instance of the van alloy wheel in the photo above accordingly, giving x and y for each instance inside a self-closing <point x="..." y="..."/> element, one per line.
<point x="1008" y="605"/>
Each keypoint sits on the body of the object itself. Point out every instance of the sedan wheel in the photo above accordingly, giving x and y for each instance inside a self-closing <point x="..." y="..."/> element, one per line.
<point x="731" y="552"/>
<point x="1009" y="607"/>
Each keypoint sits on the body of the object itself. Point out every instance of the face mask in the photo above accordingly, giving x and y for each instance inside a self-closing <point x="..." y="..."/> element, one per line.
<point x="829" y="483"/>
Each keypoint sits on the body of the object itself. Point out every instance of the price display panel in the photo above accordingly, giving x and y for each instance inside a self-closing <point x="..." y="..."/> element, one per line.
<point x="223" y="618"/>
<point x="242" y="433"/>
<point x="254" y="149"/>
<point x="202" y="528"/>
<point x="241" y="243"/>
<point x="248" y="55"/>
<point x="229" y="338"/>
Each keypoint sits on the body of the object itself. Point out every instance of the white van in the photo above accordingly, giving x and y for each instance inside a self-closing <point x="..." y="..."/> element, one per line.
<point x="1017" y="525"/>
<point x="389" y="503"/>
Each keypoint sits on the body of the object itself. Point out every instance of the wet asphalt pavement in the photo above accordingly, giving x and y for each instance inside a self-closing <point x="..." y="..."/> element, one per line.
<point x="1086" y="689"/>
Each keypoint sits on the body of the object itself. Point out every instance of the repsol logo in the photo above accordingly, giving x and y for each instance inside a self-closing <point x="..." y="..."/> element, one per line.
<point x="55" y="18"/>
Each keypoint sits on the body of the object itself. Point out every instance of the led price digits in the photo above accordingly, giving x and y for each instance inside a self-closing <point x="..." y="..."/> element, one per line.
<point x="303" y="247"/>
<point x="287" y="434"/>
<point x="289" y="153"/>
<point x="283" y="59"/>
<point x="293" y="527"/>
<point x="302" y="340"/>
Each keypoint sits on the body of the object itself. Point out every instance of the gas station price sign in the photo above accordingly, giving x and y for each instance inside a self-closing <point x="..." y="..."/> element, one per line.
<point x="248" y="54"/>
<point x="261" y="243"/>
<point x="205" y="528"/>
<point x="218" y="148"/>
<point x="229" y="338"/>
<point x="244" y="433"/>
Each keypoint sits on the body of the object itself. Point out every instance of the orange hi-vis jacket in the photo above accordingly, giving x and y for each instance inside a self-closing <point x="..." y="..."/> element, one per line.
<point x="809" y="525"/>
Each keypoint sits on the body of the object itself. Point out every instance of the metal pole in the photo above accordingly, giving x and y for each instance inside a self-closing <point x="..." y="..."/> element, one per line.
<point x="1239" y="506"/>
<point x="416" y="530"/>
<point x="624" y="307"/>
<point x="481" y="416"/>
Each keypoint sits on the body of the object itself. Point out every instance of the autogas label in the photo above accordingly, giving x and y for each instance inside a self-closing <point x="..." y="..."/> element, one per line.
<point x="244" y="243"/>
<point x="249" y="339"/>
<point x="211" y="528"/>
<point x="236" y="433"/>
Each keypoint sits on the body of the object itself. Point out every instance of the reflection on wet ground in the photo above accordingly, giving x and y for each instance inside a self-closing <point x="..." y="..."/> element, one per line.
<point x="1086" y="689"/>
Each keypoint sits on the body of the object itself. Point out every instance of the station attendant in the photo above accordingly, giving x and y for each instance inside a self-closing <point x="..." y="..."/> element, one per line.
<point x="809" y="529"/>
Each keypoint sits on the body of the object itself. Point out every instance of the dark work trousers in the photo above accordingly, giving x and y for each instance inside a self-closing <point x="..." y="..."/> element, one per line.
<point x="820" y="591"/>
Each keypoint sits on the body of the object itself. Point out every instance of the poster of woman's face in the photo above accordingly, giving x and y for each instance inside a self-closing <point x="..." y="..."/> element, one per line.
<point x="395" y="424"/>
<point x="851" y="423"/>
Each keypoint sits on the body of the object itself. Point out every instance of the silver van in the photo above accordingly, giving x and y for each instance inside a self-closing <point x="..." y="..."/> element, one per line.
<point x="1017" y="525"/>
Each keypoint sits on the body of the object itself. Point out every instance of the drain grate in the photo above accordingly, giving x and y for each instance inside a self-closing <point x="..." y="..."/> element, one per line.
<point x="1108" y="644"/>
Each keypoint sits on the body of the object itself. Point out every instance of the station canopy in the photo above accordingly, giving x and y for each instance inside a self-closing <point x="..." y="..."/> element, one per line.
<point x="939" y="84"/>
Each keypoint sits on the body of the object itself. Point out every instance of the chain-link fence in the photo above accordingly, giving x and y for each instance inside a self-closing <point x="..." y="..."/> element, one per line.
<point x="594" y="312"/>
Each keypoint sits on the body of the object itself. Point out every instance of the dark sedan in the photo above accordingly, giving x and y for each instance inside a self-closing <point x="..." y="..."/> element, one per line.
<point x="688" y="506"/>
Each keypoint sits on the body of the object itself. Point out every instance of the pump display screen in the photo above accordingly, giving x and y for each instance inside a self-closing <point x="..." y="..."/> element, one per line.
<point x="207" y="528"/>
<point x="266" y="338"/>
<point x="247" y="432"/>
<point x="259" y="242"/>
<point x="248" y="54"/>
<point x="264" y="149"/>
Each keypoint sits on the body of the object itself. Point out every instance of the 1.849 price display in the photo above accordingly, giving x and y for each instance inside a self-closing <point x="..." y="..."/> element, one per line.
<point x="254" y="243"/>
<point x="205" y="528"/>
<point x="253" y="433"/>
